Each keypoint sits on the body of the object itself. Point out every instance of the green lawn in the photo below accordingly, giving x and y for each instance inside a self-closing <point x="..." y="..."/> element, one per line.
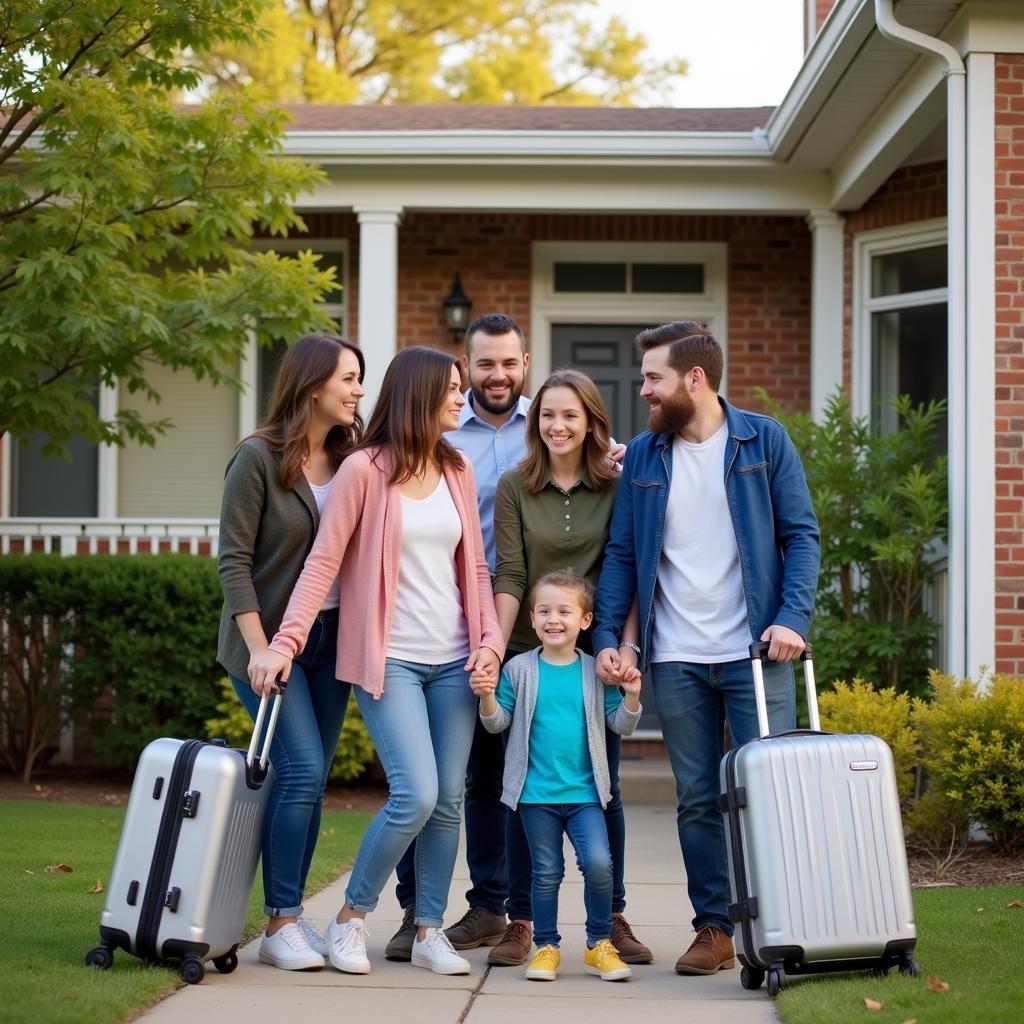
<point x="52" y="920"/>
<point x="968" y="938"/>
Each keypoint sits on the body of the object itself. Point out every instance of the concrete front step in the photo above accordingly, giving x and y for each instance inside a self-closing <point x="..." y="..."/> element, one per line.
<point x="647" y="781"/>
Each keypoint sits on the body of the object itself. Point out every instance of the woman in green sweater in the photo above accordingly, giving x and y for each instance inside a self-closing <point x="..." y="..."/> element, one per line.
<point x="552" y="512"/>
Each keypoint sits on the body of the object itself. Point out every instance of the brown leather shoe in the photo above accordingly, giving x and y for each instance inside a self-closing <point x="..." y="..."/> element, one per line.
<point x="710" y="951"/>
<point x="631" y="949"/>
<point x="514" y="947"/>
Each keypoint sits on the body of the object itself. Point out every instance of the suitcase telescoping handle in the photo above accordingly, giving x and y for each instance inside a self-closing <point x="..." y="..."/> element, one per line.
<point x="260" y="716"/>
<point x="758" y="652"/>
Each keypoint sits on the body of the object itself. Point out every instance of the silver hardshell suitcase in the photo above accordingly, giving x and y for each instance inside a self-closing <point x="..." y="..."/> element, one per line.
<point x="817" y="859"/>
<point x="179" y="889"/>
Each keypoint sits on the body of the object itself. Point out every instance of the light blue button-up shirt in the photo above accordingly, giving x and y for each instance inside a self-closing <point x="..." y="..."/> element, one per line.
<point x="491" y="450"/>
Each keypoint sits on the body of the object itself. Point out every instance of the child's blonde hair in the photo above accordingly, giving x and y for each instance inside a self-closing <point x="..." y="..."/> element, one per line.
<point x="567" y="579"/>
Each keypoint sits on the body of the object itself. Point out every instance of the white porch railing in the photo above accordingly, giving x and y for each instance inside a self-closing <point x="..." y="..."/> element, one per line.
<point x="108" y="536"/>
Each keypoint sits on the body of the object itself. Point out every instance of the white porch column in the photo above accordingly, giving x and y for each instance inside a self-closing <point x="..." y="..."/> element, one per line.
<point x="979" y="528"/>
<point x="378" y="293"/>
<point x="826" y="307"/>
<point x="108" y="459"/>
<point x="248" y="396"/>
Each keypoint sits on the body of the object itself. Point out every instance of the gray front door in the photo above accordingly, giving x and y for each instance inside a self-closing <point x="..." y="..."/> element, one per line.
<point x="606" y="353"/>
<point x="608" y="356"/>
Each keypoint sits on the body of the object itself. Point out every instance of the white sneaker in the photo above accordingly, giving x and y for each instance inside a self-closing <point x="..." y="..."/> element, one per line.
<point x="437" y="954"/>
<point x="288" y="949"/>
<point x="346" y="945"/>
<point x="312" y="936"/>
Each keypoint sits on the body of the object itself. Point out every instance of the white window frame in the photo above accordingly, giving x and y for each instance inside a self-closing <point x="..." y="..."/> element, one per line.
<point x="548" y="307"/>
<point x="248" y="412"/>
<point x="866" y="246"/>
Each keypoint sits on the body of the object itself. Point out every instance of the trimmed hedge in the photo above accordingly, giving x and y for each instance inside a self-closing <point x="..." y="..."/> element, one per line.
<point x="126" y="645"/>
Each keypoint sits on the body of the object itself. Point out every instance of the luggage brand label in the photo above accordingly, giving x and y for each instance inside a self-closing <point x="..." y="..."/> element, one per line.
<point x="863" y="766"/>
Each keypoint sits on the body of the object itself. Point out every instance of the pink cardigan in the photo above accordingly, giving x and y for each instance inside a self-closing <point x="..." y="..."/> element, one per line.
<point x="359" y="540"/>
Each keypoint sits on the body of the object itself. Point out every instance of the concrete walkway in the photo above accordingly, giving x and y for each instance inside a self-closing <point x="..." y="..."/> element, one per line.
<point x="658" y="910"/>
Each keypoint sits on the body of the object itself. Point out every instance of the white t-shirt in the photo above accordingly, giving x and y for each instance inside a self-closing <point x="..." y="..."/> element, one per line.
<point x="320" y="492"/>
<point x="700" y="614"/>
<point x="429" y="626"/>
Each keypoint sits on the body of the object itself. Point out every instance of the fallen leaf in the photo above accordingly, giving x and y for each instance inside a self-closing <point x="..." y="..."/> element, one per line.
<point x="936" y="984"/>
<point x="1015" y="905"/>
<point x="911" y="1020"/>
<point x="873" y="1004"/>
<point x="978" y="910"/>
<point x="98" y="887"/>
<point x="59" y="869"/>
<point x="27" y="872"/>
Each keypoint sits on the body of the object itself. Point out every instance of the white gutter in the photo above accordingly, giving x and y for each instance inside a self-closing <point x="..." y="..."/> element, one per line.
<point x="956" y="170"/>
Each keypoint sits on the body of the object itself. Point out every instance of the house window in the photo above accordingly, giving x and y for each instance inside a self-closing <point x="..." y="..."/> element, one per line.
<point x="902" y="334"/>
<point x="628" y="277"/>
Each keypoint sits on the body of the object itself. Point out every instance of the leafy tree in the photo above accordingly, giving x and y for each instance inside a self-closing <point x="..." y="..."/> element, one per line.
<point x="124" y="220"/>
<point x="881" y="505"/>
<point x="436" y="51"/>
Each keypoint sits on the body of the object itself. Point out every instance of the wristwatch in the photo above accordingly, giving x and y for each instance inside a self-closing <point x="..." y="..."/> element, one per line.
<point x="632" y="646"/>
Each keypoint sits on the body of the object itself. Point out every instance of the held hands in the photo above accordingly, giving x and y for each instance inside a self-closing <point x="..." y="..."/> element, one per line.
<point x="616" y="455"/>
<point x="618" y="668"/>
<point x="483" y="666"/>
<point x="264" y="668"/>
<point x="786" y="643"/>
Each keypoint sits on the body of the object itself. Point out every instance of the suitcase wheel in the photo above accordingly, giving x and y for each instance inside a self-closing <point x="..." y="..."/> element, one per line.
<point x="775" y="979"/>
<point x="226" y="963"/>
<point x="101" y="958"/>
<point x="751" y="977"/>
<point x="192" y="970"/>
<point x="910" y="967"/>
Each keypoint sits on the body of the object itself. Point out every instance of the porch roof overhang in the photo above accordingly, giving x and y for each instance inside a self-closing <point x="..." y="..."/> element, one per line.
<point x="859" y="108"/>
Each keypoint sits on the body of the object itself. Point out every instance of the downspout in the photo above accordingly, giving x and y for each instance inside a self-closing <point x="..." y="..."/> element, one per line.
<point x="956" y="184"/>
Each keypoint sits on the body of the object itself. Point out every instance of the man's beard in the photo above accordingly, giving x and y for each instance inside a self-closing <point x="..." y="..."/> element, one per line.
<point x="671" y="415"/>
<point x="496" y="408"/>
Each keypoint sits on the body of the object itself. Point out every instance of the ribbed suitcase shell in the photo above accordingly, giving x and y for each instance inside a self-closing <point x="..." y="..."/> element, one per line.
<point x="209" y="865"/>
<point x="823" y="849"/>
<point x="817" y="857"/>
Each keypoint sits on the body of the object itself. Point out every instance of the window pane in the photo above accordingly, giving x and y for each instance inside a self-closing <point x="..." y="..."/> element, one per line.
<point x="914" y="270"/>
<point x="268" y="359"/>
<point x="590" y="277"/>
<point x="908" y="358"/>
<point x="671" y="278"/>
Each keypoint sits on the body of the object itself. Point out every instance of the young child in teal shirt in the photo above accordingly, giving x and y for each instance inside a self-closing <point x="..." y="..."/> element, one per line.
<point x="556" y="768"/>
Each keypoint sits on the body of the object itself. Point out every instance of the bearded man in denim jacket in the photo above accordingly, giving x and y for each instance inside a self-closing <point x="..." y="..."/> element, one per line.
<point x="713" y="529"/>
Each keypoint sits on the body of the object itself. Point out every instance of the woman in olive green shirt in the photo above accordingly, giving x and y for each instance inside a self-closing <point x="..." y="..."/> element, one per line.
<point x="552" y="512"/>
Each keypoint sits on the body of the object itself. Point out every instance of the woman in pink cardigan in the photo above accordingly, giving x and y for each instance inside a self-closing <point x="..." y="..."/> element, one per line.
<point x="402" y="531"/>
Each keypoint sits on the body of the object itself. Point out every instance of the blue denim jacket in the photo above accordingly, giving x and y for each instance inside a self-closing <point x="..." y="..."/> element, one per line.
<point x="776" y="530"/>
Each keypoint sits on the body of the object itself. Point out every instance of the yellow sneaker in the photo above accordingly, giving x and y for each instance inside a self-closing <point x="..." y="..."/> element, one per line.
<point x="603" y="960"/>
<point x="544" y="966"/>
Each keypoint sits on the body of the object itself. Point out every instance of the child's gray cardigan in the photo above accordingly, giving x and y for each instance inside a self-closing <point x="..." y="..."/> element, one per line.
<point x="524" y="673"/>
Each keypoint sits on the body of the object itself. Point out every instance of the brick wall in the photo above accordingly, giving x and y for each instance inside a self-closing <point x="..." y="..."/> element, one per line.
<point x="769" y="279"/>
<point x="1009" y="338"/>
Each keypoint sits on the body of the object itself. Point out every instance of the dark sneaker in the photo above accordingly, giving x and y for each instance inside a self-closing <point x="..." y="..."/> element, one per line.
<point x="514" y="947"/>
<point x="399" y="946"/>
<point x="711" y="951"/>
<point x="477" y="927"/>
<point x="631" y="949"/>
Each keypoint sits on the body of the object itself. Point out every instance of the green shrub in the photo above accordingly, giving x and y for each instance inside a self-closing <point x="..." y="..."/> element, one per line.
<point x="858" y="707"/>
<point x="880" y="499"/>
<point x="126" y="645"/>
<point x="973" y="736"/>
<point x="355" y="748"/>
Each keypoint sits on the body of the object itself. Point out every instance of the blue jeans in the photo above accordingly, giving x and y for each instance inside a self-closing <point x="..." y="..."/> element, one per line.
<point x="486" y="816"/>
<point x="422" y="727"/>
<point x="693" y="702"/>
<point x="584" y="825"/>
<point x="312" y="714"/>
<point x="517" y="850"/>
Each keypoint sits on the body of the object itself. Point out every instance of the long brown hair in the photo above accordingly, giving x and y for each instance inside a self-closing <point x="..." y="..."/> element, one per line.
<point x="535" y="465"/>
<point x="404" y="420"/>
<point x="306" y="366"/>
